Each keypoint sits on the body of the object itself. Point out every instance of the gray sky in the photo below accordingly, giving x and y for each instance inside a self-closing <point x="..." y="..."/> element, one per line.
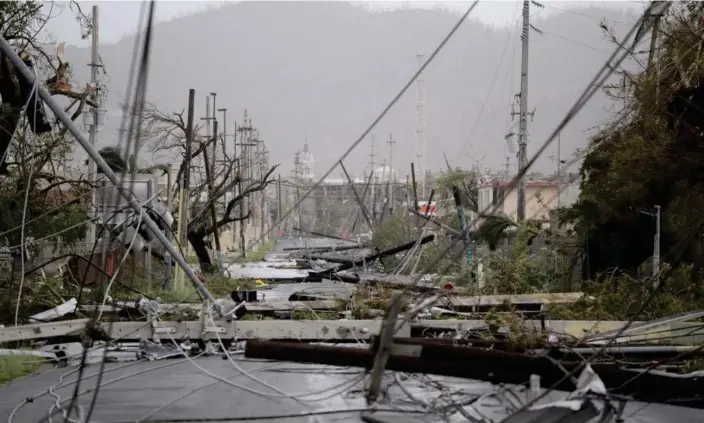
<point x="119" y="18"/>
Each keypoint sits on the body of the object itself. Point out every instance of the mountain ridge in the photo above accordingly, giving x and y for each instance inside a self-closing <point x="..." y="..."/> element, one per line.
<point x="324" y="70"/>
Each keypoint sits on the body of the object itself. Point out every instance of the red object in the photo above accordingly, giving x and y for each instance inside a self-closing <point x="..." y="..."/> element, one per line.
<point x="110" y="265"/>
<point x="448" y="286"/>
<point x="345" y="235"/>
<point x="428" y="209"/>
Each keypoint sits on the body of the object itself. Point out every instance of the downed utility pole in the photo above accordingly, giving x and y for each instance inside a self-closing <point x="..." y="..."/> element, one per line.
<point x="306" y="231"/>
<point x="359" y="201"/>
<point x="370" y="258"/>
<point x="430" y="357"/>
<point x="386" y="338"/>
<point x="434" y="222"/>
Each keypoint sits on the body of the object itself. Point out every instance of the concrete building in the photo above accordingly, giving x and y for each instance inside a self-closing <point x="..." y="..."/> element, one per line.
<point x="542" y="197"/>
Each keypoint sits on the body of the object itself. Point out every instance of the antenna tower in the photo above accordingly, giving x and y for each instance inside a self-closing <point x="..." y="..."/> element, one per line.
<point x="420" y="129"/>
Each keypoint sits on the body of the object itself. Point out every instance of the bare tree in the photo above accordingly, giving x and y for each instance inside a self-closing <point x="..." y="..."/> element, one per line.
<point x="165" y="135"/>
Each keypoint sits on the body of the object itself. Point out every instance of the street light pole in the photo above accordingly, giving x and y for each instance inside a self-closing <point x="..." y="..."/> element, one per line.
<point x="656" y="241"/>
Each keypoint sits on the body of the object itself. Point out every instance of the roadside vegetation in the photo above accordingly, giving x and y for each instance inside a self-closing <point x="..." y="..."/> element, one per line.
<point x="14" y="367"/>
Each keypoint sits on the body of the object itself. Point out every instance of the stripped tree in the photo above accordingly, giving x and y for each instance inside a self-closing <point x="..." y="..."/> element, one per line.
<point x="165" y="135"/>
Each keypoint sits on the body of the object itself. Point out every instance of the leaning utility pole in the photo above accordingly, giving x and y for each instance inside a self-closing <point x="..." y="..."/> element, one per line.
<point x="523" y="123"/>
<point x="372" y="155"/>
<point x="93" y="131"/>
<point x="209" y="175"/>
<point x="224" y="131"/>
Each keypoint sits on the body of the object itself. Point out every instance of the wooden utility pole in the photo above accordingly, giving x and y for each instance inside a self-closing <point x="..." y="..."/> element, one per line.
<point x="211" y="196"/>
<point x="245" y="133"/>
<point x="653" y="41"/>
<point x="182" y="227"/>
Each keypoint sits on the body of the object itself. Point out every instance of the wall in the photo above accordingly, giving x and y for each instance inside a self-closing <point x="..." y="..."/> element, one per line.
<point x="540" y="199"/>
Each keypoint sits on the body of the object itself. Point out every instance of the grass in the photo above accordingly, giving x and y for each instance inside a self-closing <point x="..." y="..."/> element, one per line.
<point x="13" y="367"/>
<point x="258" y="253"/>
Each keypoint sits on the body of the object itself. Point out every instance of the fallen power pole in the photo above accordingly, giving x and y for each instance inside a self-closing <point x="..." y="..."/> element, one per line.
<point x="359" y="201"/>
<point x="429" y="357"/>
<point x="306" y="231"/>
<point x="385" y="253"/>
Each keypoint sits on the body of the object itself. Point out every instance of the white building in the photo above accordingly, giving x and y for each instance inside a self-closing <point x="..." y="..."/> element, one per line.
<point x="305" y="163"/>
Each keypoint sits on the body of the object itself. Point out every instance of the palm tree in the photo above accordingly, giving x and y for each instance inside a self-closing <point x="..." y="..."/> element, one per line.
<point x="114" y="159"/>
<point x="496" y="225"/>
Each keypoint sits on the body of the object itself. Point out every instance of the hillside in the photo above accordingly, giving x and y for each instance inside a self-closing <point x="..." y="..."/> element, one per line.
<point x="325" y="69"/>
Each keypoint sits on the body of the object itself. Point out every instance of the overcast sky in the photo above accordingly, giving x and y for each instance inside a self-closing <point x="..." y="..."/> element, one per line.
<point x="119" y="18"/>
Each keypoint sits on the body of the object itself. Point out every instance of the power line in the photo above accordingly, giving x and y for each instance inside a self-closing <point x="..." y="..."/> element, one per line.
<point x="585" y="15"/>
<point x="383" y="113"/>
<point x="542" y="32"/>
<point x="509" y="37"/>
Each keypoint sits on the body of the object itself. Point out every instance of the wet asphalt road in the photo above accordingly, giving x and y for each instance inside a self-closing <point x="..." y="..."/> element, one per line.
<point x="182" y="390"/>
<point x="192" y="390"/>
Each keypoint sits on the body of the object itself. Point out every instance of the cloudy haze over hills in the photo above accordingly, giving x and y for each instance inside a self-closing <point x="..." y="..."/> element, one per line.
<point x="324" y="70"/>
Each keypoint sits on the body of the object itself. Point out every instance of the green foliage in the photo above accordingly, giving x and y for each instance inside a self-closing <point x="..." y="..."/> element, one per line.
<point x="394" y="230"/>
<point x="495" y="226"/>
<point x="16" y="17"/>
<point x="43" y="215"/>
<point x="466" y="181"/>
<point x="258" y="253"/>
<point x="650" y="154"/>
<point x="13" y="367"/>
<point x="619" y="297"/>
<point x="114" y="158"/>
<point x="397" y="230"/>
<point x="518" y="272"/>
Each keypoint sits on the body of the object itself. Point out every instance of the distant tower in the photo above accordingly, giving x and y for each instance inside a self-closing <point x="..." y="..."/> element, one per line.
<point x="420" y="130"/>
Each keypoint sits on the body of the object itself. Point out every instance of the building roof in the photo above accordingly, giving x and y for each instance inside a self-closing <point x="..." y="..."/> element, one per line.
<point x="501" y="183"/>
